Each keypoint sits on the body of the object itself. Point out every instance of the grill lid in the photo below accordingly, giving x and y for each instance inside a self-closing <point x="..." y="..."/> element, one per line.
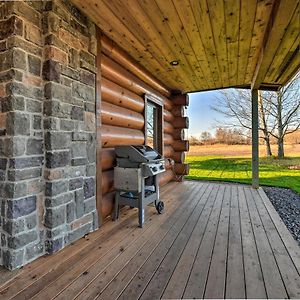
<point x="137" y="154"/>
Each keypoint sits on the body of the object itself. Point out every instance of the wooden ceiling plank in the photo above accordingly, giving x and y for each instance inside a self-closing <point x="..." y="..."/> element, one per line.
<point x="232" y="21"/>
<point x="247" y="18"/>
<point x="214" y="19"/>
<point x="204" y="39"/>
<point x="291" y="35"/>
<point x="154" y="33"/>
<point x="263" y="11"/>
<point x="167" y="37"/>
<point x="281" y="16"/>
<point x="292" y="68"/>
<point x="112" y="26"/>
<point x="169" y="14"/>
<point x="131" y="19"/>
<point x="187" y="18"/>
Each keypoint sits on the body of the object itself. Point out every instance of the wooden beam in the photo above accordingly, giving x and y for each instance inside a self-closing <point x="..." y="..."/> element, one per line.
<point x="281" y="14"/>
<point x="98" y="131"/>
<point x="255" y="140"/>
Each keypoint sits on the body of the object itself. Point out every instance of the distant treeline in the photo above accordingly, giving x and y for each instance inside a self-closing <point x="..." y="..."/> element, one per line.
<point x="234" y="137"/>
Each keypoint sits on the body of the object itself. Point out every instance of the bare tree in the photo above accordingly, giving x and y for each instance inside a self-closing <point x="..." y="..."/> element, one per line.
<point x="206" y="137"/>
<point x="279" y="112"/>
<point x="235" y="105"/>
<point x="284" y="108"/>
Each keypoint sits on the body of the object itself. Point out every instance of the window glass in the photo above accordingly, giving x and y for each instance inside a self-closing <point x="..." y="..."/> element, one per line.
<point x="153" y="126"/>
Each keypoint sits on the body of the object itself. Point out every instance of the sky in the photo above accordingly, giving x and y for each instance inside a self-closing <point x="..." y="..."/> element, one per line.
<point x="201" y="116"/>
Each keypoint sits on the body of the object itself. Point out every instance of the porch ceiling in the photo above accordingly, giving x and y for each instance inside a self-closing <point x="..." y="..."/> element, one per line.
<point x="218" y="43"/>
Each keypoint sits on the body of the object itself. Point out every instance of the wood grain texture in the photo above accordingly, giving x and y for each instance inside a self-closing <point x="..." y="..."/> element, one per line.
<point x="214" y="240"/>
<point x="218" y="44"/>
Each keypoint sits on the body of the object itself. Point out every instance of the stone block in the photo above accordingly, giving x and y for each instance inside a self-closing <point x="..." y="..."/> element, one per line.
<point x="59" y="200"/>
<point x="33" y="34"/>
<point x="52" y="246"/>
<point x="51" y="71"/>
<point x="21" y="207"/>
<point x="18" y="123"/>
<point x="54" y="188"/>
<point x="33" y="106"/>
<point x="78" y="233"/>
<point x="16" y="41"/>
<point x="57" y="140"/>
<point x="91" y="170"/>
<point x="51" y="123"/>
<point x="22" y="239"/>
<point x="57" y="159"/>
<point x="57" y="109"/>
<point x="37" y="122"/>
<point x="67" y="125"/>
<point x="34" y="146"/>
<point x="78" y="149"/>
<point x="35" y="186"/>
<point x="79" y="136"/>
<point x="14" y="146"/>
<point x="55" y="216"/>
<point x="89" y="205"/>
<point x="11" y="26"/>
<point x="12" y="259"/>
<point x="79" y="200"/>
<point x="12" y="103"/>
<point x="88" y="78"/>
<point x="13" y="227"/>
<point x="83" y="92"/>
<point x="26" y="162"/>
<point x="56" y="54"/>
<point x="81" y="161"/>
<point x="3" y="163"/>
<point x="56" y="91"/>
<point x="77" y="113"/>
<point x="34" y="65"/>
<point x="31" y="221"/>
<point x="70" y="212"/>
<point x="35" y="250"/>
<point x="91" y="148"/>
<point x="13" y="189"/>
<point x="89" y="188"/>
<point x="90" y="121"/>
<point x="16" y="175"/>
<point x="75" y="183"/>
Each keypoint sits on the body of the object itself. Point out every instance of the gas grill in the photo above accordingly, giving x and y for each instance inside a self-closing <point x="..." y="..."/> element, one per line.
<point x="135" y="178"/>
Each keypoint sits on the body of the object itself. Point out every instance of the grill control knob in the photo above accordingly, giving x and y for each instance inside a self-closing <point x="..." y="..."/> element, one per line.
<point x="161" y="167"/>
<point x="154" y="169"/>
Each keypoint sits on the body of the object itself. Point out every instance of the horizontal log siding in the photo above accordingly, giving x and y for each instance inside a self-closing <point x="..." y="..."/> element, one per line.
<point x="122" y="116"/>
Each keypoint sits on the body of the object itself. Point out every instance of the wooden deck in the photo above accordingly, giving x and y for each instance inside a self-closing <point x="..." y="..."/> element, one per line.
<point x="213" y="241"/>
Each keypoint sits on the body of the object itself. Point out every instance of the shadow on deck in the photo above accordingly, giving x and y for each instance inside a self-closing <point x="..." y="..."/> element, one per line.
<point x="213" y="241"/>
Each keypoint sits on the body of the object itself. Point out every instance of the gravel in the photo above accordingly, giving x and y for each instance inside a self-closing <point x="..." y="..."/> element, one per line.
<point x="287" y="204"/>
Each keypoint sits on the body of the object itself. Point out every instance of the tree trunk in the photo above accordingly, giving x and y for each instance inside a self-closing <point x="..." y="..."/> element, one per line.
<point x="280" y="148"/>
<point x="280" y="140"/>
<point x="268" y="145"/>
<point x="264" y="124"/>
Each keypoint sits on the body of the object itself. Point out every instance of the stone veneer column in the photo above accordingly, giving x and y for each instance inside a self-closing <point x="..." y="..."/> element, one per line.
<point x="21" y="137"/>
<point x="69" y="123"/>
<point x="47" y="128"/>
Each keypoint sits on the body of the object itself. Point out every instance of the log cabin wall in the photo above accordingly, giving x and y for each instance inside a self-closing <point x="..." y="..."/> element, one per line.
<point x="123" y="86"/>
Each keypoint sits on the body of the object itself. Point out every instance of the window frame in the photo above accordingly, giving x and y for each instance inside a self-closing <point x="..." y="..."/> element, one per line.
<point x="158" y="123"/>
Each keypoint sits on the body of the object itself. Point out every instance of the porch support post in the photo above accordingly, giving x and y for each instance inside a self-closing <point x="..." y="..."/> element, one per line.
<point x="255" y="139"/>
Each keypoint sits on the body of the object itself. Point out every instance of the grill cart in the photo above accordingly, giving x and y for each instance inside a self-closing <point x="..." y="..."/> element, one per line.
<point x="135" y="178"/>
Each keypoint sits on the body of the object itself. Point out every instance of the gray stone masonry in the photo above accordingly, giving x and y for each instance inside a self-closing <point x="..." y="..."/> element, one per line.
<point x="47" y="128"/>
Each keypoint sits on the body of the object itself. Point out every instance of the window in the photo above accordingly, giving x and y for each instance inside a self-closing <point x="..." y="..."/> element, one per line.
<point x="153" y="124"/>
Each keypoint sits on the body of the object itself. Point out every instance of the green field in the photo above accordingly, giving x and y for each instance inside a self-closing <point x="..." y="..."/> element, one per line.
<point x="273" y="171"/>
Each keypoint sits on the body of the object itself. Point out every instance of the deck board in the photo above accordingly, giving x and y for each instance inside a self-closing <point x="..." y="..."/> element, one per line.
<point x="213" y="241"/>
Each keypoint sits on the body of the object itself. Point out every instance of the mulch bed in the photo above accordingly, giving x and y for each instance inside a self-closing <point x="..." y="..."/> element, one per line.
<point x="287" y="204"/>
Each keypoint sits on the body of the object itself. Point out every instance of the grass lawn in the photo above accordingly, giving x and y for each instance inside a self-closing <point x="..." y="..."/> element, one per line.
<point x="273" y="171"/>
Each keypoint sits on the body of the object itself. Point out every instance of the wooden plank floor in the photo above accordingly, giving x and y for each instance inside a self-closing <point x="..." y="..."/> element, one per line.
<point x="213" y="241"/>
